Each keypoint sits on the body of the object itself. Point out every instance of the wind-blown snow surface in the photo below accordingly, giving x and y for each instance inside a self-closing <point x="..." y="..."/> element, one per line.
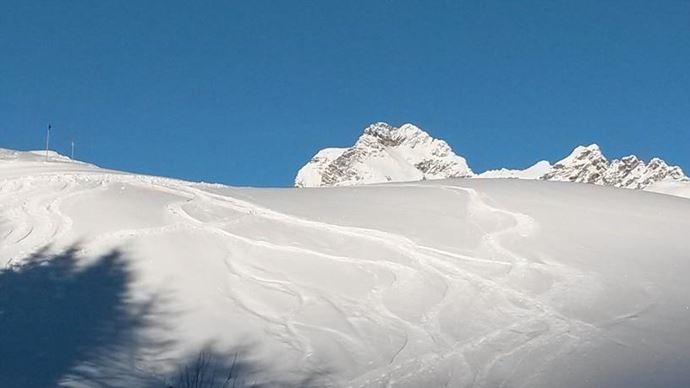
<point x="465" y="282"/>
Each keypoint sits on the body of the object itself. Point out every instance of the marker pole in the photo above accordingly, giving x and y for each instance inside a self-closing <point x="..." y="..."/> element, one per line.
<point x="47" y="141"/>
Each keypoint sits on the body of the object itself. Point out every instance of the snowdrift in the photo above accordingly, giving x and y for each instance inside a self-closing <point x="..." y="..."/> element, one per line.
<point x="117" y="279"/>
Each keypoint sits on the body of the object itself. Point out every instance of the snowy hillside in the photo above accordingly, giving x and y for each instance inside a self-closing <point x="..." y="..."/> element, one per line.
<point x="388" y="154"/>
<point x="114" y="279"/>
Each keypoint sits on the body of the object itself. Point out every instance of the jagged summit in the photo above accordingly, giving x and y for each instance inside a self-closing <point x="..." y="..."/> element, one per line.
<point x="384" y="153"/>
<point x="585" y="164"/>
<point x="589" y="165"/>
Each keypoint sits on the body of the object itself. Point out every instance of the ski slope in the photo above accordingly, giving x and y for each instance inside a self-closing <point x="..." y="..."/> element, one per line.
<point x="459" y="283"/>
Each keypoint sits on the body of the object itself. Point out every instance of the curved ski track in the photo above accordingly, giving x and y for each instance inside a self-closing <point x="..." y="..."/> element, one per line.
<point x="31" y="209"/>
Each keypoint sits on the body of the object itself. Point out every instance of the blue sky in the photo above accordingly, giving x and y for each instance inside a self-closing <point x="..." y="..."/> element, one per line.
<point x="244" y="93"/>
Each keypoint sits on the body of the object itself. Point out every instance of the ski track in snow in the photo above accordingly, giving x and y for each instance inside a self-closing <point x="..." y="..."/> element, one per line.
<point x="31" y="208"/>
<point x="33" y="214"/>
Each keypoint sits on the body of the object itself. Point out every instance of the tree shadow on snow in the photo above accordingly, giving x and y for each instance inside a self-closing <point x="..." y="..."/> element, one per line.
<point x="55" y="314"/>
<point x="222" y="369"/>
<point x="66" y="323"/>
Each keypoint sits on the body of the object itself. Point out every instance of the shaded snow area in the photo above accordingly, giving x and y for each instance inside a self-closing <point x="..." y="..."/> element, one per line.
<point x="113" y="279"/>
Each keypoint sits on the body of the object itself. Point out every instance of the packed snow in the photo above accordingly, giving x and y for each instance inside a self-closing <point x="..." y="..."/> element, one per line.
<point x="457" y="282"/>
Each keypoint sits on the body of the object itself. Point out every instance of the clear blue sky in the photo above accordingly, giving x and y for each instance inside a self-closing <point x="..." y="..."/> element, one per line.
<point x="246" y="92"/>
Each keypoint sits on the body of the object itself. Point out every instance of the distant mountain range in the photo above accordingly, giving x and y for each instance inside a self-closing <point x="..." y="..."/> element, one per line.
<point x="384" y="153"/>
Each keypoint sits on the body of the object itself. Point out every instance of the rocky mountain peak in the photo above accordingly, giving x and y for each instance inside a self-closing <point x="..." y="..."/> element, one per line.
<point x="589" y="165"/>
<point x="384" y="153"/>
<point x="585" y="164"/>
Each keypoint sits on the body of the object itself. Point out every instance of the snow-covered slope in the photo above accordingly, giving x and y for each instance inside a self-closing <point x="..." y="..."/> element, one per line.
<point x="535" y="171"/>
<point x="461" y="282"/>
<point x="671" y="187"/>
<point x="384" y="154"/>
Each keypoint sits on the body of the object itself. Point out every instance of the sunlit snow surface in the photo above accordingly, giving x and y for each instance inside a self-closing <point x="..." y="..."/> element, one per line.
<point x="439" y="283"/>
<point x="681" y="189"/>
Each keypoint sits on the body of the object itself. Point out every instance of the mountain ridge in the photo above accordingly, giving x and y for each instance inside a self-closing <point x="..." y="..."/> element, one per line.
<point x="384" y="153"/>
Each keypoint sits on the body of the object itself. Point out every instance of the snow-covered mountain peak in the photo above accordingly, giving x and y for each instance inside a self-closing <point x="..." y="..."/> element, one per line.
<point x="589" y="165"/>
<point x="408" y="135"/>
<point x="585" y="164"/>
<point x="384" y="153"/>
<point x="591" y="148"/>
<point x="583" y="154"/>
<point x="385" y="133"/>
